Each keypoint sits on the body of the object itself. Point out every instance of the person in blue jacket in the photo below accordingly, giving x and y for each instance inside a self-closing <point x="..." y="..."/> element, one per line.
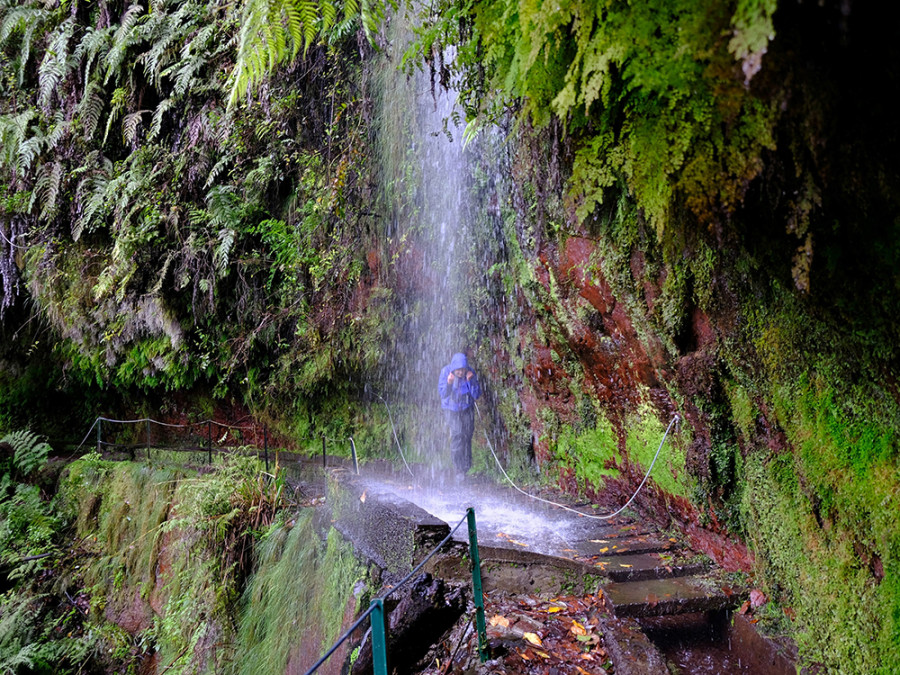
<point x="459" y="388"/>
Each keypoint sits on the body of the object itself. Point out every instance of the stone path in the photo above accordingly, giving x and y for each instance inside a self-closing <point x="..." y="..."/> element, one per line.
<point x="640" y="571"/>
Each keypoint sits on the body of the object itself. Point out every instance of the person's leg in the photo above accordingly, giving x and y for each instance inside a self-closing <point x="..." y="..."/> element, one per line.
<point x="457" y="440"/>
<point x="467" y="430"/>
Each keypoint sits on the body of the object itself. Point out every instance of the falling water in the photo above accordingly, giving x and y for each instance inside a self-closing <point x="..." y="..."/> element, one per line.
<point x="425" y="174"/>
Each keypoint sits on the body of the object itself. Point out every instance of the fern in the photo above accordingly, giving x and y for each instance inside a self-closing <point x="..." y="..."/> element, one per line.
<point x="274" y="31"/>
<point x="55" y="64"/>
<point x="46" y="190"/>
<point x="130" y="126"/>
<point x="90" y="109"/>
<point x="156" y="121"/>
<point x="94" y="43"/>
<point x="29" y="451"/>
<point x="126" y="35"/>
<point x="223" y="250"/>
<point x="13" y="132"/>
<point x="25" y="21"/>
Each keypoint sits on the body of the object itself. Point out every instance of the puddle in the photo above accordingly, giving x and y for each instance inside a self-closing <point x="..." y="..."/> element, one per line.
<point x="710" y="644"/>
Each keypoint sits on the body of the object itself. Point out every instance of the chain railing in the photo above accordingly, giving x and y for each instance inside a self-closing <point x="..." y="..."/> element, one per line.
<point x="378" y="619"/>
<point x="205" y="436"/>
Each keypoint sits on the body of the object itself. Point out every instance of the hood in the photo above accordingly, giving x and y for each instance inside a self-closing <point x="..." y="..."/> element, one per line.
<point x="459" y="361"/>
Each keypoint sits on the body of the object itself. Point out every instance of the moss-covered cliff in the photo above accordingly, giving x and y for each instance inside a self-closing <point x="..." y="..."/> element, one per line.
<point x="684" y="207"/>
<point x="701" y="216"/>
<point x="155" y="568"/>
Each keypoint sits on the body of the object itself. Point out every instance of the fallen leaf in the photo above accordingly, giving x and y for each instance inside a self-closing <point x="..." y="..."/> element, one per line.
<point x="577" y="628"/>
<point x="362" y="497"/>
<point x="599" y="541"/>
<point x="757" y="598"/>
<point x="582" y="670"/>
<point x="743" y="608"/>
<point x="624" y="565"/>
<point x="552" y="610"/>
<point x="532" y="638"/>
<point x="605" y="549"/>
<point x="498" y="620"/>
<point x="542" y="654"/>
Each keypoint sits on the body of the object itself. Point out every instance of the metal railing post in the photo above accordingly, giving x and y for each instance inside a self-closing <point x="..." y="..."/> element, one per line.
<point x="209" y="440"/>
<point x="476" y="586"/>
<point x="324" y="461"/>
<point x="355" y="458"/>
<point x="376" y="613"/>
<point x="148" y="439"/>
<point x="379" y="638"/>
<point x="99" y="436"/>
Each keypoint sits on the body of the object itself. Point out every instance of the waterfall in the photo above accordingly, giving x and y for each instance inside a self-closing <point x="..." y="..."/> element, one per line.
<point x="426" y="197"/>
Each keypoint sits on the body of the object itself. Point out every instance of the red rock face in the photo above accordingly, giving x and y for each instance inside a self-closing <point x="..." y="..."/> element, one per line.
<point x="591" y="325"/>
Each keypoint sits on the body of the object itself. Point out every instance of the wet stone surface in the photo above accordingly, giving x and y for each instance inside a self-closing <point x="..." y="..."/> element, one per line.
<point x="644" y="566"/>
<point x="656" y="597"/>
<point x="550" y="574"/>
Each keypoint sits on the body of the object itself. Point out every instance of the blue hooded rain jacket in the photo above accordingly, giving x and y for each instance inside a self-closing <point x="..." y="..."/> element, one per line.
<point x="462" y="393"/>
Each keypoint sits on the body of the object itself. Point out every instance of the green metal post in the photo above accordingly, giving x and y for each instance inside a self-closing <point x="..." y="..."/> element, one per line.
<point x="476" y="586"/>
<point x="99" y="441"/>
<point x="379" y="639"/>
<point x="148" y="439"/>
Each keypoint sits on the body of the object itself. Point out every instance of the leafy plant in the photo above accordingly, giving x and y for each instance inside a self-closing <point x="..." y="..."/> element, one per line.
<point x="29" y="451"/>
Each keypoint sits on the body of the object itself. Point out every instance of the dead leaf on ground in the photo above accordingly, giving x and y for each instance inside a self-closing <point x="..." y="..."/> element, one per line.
<point x="532" y="638"/>
<point x="577" y="628"/>
<point x="757" y="598"/>
<point x="498" y="620"/>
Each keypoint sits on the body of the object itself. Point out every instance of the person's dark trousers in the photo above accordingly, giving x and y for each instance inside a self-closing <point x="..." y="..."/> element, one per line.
<point x="462" y="426"/>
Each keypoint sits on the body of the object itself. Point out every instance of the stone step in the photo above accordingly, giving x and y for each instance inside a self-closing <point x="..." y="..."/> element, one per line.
<point x="613" y="546"/>
<point x="658" y="597"/>
<point x="645" y="566"/>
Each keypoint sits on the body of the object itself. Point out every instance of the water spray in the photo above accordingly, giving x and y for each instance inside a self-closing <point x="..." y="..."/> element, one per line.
<point x="394" y="429"/>
<point x="674" y="421"/>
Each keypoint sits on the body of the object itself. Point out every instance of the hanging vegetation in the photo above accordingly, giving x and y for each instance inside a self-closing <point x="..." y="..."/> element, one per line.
<point x="173" y="216"/>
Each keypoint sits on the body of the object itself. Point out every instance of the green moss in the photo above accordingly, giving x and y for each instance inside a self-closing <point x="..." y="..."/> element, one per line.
<point x="644" y="436"/>
<point x="845" y="618"/>
<point x="591" y="455"/>
<point x="301" y="582"/>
